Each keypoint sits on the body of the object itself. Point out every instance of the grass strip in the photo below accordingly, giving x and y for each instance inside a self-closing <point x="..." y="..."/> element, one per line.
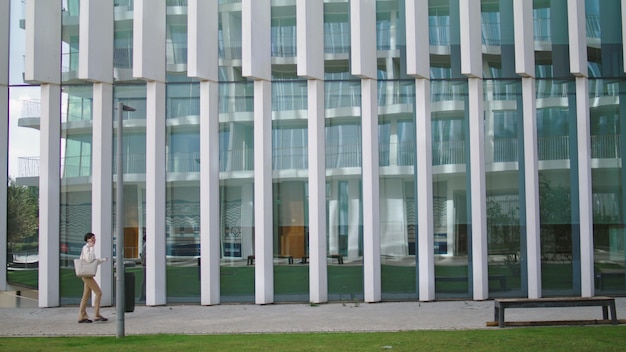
<point x="585" y="338"/>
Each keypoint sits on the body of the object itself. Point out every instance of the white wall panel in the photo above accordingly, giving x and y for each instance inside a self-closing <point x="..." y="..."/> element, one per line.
<point x="256" y="39"/>
<point x="202" y="35"/>
<point x="471" y="38"/>
<point x="95" y="59"/>
<point x="363" y="38"/>
<point x="417" y="43"/>
<point x="524" y="39"/>
<point x="43" y="42"/>
<point x="577" y="28"/>
<point x="310" y="39"/>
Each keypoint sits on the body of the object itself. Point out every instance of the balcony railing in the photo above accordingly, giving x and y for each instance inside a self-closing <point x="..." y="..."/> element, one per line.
<point x="505" y="150"/>
<point x="606" y="146"/>
<point x="553" y="148"/>
<point x="290" y="158"/>
<point x="183" y="162"/>
<point x="343" y="95"/>
<point x="287" y="96"/>
<point x="448" y="152"/>
<point x="337" y="156"/>
<point x="237" y="160"/>
<point x="340" y="156"/>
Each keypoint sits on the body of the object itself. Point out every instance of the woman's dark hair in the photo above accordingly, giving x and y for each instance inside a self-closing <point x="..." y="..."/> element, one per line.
<point x="89" y="235"/>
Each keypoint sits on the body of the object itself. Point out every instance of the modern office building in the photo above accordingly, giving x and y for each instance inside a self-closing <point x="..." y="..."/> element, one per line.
<point x="315" y="150"/>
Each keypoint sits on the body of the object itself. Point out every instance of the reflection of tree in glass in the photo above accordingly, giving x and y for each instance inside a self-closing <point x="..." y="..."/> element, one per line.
<point x="504" y="229"/>
<point x="555" y="213"/>
<point x="22" y="214"/>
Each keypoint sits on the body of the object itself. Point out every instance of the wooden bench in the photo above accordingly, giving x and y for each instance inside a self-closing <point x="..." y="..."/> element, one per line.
<point x="339" y="258"/>
<point x="605" y="302"/>
<point x="288" y="257"/>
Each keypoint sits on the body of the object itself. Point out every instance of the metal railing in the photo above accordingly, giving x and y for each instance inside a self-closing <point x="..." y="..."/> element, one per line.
<point x="338" y="156"/>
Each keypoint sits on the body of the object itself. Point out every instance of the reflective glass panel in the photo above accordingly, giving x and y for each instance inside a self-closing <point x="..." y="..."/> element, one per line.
<point x="608" y="180"/>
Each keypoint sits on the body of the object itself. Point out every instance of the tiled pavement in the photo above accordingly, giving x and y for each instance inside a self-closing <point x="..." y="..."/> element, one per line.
<point x="28" y="320"/>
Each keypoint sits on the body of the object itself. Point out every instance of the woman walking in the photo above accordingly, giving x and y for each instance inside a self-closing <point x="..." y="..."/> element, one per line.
<point x="91" y="285"/>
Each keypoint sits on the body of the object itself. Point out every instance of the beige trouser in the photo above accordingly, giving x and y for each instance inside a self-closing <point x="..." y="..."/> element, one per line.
<point x="90" y="286"/>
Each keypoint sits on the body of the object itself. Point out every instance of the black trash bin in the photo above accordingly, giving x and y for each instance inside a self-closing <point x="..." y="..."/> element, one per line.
<point x="129" y="288"/>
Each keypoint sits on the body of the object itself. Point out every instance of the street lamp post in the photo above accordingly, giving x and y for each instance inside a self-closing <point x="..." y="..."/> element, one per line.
<point x="119" y="223"/>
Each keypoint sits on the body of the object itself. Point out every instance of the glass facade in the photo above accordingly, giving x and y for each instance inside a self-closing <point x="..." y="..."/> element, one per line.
<point x="555" y="91"/>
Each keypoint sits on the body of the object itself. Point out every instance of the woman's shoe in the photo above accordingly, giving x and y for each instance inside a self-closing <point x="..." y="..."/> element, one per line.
<point x="101" y="319"/>
<point x="84" y="321"/>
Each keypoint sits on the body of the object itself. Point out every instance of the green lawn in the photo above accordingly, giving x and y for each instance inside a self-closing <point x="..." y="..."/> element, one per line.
<point x="570" y="339"/>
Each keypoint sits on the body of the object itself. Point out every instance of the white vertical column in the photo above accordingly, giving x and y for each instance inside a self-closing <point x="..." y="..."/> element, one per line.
<point x="363" y="65"/>
<point x="102" y="185"/>
<point x="477" y="177"/>
<point x="318" y="276"/>
<point x="471" y="65"/>
<point x="585" y="197"/>
<point x="4" y="156"/>
<point x="49" y="195"/>
<point x="425" y="213"/>
<point x="149" y="64"/>
<point x="263" y="249"/>
<point x="623" y="17"/>
<point x="371" y="192"/>
<point x="4" y="133"/>
<point x="156" y="288"/>
<point x="209" y="194"/>
<point x="531" y="182"/>
<point x="309" y="18"/>
<point x="95" y="63"/>
<point x="418" y="65"/>
<point x="525" y="67"/>
<point x="202" y="38"/>
<point x="256" y="64"/>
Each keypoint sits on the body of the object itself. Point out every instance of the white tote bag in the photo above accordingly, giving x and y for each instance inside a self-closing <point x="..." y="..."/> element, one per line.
<point x="85" y="268"/>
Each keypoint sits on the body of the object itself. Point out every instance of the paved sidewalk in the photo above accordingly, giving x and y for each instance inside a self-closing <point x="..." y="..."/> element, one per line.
<point x="274" y="318"/>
